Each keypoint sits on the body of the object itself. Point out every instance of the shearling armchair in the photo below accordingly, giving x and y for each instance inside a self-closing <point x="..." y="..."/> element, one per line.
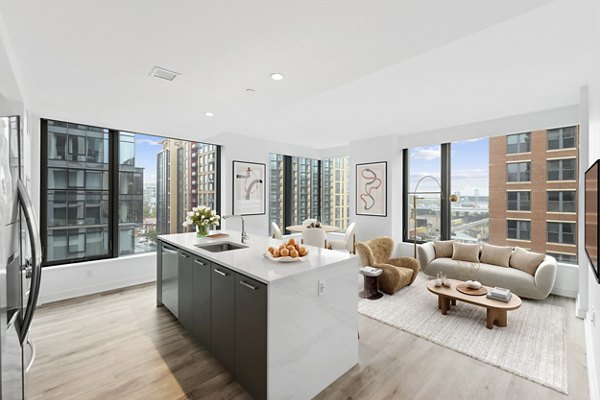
<point x="397" y="272"/>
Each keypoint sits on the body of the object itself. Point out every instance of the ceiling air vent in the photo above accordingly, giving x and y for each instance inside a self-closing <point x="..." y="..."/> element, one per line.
<point x="162" y="73"/>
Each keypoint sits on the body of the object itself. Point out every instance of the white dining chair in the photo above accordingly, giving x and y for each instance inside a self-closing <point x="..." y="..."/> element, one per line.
<point x="314" y="237"/>
<point x="348" y="242"/>
<point x="276" y="231"/>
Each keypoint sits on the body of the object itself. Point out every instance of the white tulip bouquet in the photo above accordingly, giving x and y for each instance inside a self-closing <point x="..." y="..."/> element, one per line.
<point x="202" y="217"/>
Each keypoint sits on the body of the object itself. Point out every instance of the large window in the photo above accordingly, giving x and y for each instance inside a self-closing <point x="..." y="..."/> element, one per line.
<point x="469" y="179"/>
<point x="518" y="201"/>
<point x="109" y="193"/>
<point x="562" y="138"/>
<point x="518" y="230"/>
<point x="508" y="187"/>
<point x="423" y="169"/>
<point x="562" y="170"/>
<point x="561" y="232"/>
<point x="562" y="201"/>
<point x="518" y="143"/>
<point x="335" y="195"/>
<point x="518" y="171"/>
<point x="301" y="188"/>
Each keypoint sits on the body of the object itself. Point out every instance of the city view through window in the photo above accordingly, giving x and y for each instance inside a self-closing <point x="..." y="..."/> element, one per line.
<point x="158" y="180"/>
<point x="514" y="190"/>
<point x="319" y="189"/>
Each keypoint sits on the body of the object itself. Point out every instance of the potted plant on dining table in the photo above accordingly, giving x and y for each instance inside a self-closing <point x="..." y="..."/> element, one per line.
<point x="202" y="218"/>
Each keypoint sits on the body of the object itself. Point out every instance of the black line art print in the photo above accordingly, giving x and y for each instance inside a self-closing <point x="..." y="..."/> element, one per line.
<point x="373" y="182"/>
<point x="251" y="182"/>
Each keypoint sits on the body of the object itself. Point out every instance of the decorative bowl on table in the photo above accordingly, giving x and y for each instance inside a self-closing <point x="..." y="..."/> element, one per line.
<point x="288" y="251"/>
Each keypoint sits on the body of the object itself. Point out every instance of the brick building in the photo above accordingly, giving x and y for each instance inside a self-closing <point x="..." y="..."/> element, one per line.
<point x="533" y="191"/>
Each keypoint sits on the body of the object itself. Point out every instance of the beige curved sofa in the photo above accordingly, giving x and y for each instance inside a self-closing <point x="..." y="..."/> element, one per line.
<point x="536" y="286"/>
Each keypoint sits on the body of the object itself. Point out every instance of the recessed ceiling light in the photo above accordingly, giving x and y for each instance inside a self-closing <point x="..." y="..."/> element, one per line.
<point x="276" y="76"/>
<point x="163" y="73"/>
<point x="209" y="114"/>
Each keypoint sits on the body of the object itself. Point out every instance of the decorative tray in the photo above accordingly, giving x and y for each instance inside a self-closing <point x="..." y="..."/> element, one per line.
<point x="284" y="259"/>
<point x="463" y="288"/>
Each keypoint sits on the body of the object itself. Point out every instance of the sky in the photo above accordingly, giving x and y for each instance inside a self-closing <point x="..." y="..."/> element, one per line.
<point x="469" y="170"/>
<point x="146" y="148"/>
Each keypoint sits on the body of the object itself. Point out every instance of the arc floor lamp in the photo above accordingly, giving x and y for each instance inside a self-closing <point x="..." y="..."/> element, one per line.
<point x="453" y="198"/>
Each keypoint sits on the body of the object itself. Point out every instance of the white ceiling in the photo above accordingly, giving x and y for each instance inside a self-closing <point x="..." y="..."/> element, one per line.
<point x="353" y="69"/>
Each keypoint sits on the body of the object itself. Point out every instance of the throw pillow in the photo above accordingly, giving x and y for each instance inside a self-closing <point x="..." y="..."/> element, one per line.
<point x="526" y="261"/>
<point x="443" y="249"/>
<point x="496" y="255"/>
<point x="465" y="252"/>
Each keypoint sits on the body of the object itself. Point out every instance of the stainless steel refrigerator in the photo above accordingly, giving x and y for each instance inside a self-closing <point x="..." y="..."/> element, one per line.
<point x="20" y="265"/>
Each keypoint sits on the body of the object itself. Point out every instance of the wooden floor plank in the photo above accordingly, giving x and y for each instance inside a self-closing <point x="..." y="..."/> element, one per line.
<point x="119" y="345"/>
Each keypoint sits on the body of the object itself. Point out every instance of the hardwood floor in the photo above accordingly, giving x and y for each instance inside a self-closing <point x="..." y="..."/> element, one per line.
<point x="119" y="345"/>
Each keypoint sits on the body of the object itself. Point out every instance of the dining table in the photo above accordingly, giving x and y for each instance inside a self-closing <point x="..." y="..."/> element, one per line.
<point x="302" y="228"/>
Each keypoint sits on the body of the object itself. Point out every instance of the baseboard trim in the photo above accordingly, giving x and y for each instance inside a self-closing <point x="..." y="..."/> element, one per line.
<point x="572" y="294"/>
<point x="591" y="363"/>
<point x="93" y="289"/>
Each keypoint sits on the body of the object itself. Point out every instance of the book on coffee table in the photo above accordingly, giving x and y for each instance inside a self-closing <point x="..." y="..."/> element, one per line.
<point x="500" y="294"/>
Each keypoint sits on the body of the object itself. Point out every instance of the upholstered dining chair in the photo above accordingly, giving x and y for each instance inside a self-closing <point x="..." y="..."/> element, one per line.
<point x="397" y="272"/>
<point x="348" y="242"/>
<point x="276" y="231"/>
<point x="314" y="237"/>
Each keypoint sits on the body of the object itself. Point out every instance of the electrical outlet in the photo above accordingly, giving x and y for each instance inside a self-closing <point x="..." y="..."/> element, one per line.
<point x="89" y="273"/>
<point x="322" y="288"/>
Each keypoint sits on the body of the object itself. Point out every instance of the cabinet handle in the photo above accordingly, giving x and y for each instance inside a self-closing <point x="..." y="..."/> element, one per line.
<point x="220" y="272"/>
<point x="168" y="251"/>
<point x="249" y="286"/>
<point x="199" y="262"/>
<point x="183" y="255"/>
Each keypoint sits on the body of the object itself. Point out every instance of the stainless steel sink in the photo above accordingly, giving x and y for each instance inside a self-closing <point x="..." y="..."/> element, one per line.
<point x="221" y="247"/>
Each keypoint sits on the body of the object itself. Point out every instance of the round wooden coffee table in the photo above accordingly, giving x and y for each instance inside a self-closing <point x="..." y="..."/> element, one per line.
<point x="496" y="309"/>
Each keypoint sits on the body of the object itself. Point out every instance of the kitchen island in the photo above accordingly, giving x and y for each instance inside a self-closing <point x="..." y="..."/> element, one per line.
<point x="283" y="330"/>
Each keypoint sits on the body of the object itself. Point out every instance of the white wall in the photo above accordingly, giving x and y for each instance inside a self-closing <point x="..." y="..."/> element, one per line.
<point x="592" y="302"/>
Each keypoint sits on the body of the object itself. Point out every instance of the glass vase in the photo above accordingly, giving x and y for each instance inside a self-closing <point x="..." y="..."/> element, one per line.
<point x="201" y="230"/>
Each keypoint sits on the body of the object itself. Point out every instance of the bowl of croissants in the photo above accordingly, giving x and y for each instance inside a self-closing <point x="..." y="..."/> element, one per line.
<point x="288" y="251"/>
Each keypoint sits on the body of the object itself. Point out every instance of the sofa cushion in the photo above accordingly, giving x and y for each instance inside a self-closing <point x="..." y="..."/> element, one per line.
<point x="496" y="255"/>
<point x="443" y="248"/>
<point x="465" y="252"/>
<point x="526" y="261"/>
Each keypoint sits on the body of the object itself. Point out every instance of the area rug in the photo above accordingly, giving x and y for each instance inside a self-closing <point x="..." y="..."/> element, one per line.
<point x="532" y="346"/>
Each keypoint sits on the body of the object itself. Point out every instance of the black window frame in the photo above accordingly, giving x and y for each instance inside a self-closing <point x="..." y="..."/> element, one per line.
<point x="112" y="192"/>
<point x="445" y="208"/>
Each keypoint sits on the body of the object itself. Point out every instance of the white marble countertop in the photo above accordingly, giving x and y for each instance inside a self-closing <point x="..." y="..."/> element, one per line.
<point x="251" y="261"/>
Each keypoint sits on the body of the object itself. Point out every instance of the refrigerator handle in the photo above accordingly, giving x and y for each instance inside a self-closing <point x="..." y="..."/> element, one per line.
<point x="36" y="260"/>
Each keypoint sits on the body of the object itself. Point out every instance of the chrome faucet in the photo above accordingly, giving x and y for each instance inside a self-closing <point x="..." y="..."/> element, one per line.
<point x="244" y="234"/>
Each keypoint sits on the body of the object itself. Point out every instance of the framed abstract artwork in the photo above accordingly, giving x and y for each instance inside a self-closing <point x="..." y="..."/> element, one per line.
<point x="249" y="188"/>
<point x="371" y="189"/>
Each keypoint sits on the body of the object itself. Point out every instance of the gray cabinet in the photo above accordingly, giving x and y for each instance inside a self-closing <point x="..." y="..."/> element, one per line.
<point x="169" y="277"/>
<point x="201" y="301"/>
<point x="222" y="316"/>
<point x="186" y="290"/>
<point x="251" y="335"/>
